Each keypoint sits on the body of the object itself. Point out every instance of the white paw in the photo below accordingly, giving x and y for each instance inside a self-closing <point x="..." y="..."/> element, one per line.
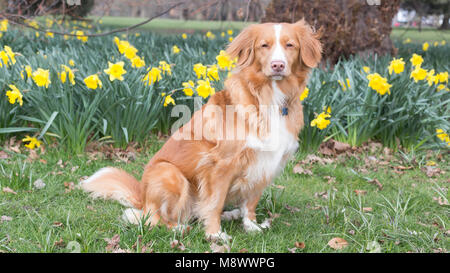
<point x="231" y="215"/>
<point x="251" y="226"/>
<point x="219" y="236"/>
<point x="266" y="224"/>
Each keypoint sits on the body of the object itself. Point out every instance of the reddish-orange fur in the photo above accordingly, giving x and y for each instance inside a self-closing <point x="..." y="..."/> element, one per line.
<point x="198" y="177"/>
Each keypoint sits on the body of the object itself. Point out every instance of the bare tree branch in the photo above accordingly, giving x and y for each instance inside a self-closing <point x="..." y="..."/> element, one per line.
<point x="6" y="15"/>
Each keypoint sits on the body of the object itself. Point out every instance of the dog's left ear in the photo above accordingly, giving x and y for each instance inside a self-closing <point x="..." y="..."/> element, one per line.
<point x="310" y="46"/>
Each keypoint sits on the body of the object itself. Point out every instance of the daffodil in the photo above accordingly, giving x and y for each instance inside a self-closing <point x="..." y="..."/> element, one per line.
<point x="440" y="87"/>
<point x="366" y="69"/>
<point x="321" y="121"/>
<point x="407" y="41"/>
<point x="343" y="85"/>
<point x="81" y="36"/>
<point x="4" y="25"/>
<point x="67" y="72"/>
<point x="416" y="60"/>
<point x="29" y="71"/>
<point x="184" y="36"/>
<point x="442" y="77"/>
<point x="213" y="73"/>
<point x="224" y="61"/>
<point x="431" y="78"/>
<point x="168" y="99"/>
<point x="210" y="35"/>
<point x="175" y="49"/>
<point x="130" y="52"/>
<point x="379" y="84"/>
<point x="418" y="74"/>
<point x="115" y="71"/>
<point x="49" y="34"/>
<point x="425" y="46"/>
<point x="397" y="66"/>
<point x="165" y="67"/>
<point x="304" y="94"/>
<point x="442" y="135"/>
<point x="200" y="70"/>
<point x="230" y="32"/>
<point x="71" y="62"/>
<point x="92" y="82"/>
<point x="41" y="77"/>
<point x="204" y="88"/>
<point x="153" y="75"/>
<point x="33" y="142"/>
<point x="14" y="94"/>
<point x="188" y="88"/>
<point x="137" y="62"/>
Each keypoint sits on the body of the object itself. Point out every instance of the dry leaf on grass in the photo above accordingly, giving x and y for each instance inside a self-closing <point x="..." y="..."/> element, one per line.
<point x="368" y="209"/>
<point x="3" y="155"/>
<point x="215" y="248"/>
<point x="300" y="245"/>
<point x="337" y="243"/>
<point x="292" y="209"/>
<point x="376" y="183"/>
<point x="322" y="194"/>
<point x="113" y="243"/>
<point x="243" y="250"/>
<point x="441" y="201"/>
<point x="8" y="190"/>
<point x="432" y="171"/>
<point x="69" y="186"/>
<point x="57" y="224"/>
<point x="298" y="169"/>
<point x="5" y="218"/>
<point x="39" y="184"/>
<point x="360" y="192"/>
<point x="59" y="243"/>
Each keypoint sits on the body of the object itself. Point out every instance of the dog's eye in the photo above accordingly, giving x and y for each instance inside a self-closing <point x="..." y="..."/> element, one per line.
<point x="289" y="45"/>
<point x="265" y="45"/>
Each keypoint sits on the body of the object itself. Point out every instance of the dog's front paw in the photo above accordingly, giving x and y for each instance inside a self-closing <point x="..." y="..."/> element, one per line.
<point x="219" y="236"/>
<point x="251" y="226"/>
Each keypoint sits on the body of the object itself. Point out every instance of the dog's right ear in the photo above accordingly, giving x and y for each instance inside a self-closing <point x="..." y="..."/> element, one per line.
<point x="243" y="47"/>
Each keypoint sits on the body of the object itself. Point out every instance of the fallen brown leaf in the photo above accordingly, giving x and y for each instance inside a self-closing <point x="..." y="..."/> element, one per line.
<point x="337" y="243"/>
<point x="5" y="218"/>
<point x="376" y="183"/>
<point x="8" y="190"/>
<point x="368" y="209"/>
<point x="298" y="169"/>
<point x="215" y="248"/>
<point x="360" y="192"/>
<point x="300" y="245"/>
<point x="113" y="243"/>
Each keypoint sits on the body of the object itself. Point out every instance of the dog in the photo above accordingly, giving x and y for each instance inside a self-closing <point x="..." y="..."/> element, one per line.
<point x="195" y="178"/>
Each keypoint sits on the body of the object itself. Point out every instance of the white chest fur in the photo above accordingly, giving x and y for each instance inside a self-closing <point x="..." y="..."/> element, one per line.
<point x="273" y="151"/>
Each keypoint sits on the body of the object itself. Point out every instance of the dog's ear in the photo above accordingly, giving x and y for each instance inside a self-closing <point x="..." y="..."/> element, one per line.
<point x="243" y="47"/>
<point x="310" y="46"/>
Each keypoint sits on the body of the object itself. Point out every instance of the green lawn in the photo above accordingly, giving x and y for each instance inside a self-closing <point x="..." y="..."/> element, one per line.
<point x="173" y="25"/>
<point x="404" y="216"/>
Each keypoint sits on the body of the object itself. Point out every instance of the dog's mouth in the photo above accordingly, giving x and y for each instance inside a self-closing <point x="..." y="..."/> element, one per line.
<point x="277" y="76"/>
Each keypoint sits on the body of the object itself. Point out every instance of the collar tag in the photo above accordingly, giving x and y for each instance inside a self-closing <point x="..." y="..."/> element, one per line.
<point x="284" y="111"/>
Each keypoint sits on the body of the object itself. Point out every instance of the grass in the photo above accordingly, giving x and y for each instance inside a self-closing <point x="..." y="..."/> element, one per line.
<point x="404" y="216"/>
<point x="163" y="25"/>
<point x="176" y="25"/>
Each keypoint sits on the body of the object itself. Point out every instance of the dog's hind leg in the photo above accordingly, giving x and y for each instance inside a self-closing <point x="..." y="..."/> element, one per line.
<point x="166" y="194"/>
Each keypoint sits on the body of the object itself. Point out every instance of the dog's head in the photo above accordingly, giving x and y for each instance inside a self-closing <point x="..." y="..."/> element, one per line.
<point x="277" y="50"/>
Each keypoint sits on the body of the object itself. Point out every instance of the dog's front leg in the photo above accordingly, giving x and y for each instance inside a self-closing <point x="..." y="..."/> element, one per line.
<point x="248" y="212"/>
<point x="211" y="207"/>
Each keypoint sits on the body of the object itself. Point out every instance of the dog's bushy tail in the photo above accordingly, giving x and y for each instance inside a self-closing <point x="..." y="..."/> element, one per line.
<point x="115" y="184"/>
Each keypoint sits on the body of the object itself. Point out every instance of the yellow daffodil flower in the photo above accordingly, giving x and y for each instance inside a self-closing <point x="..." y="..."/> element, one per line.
<point x="115" y="71"/>
<point x="379" y="84"/>
<point x="92" y="82"/>
<point x="14" y="94"/>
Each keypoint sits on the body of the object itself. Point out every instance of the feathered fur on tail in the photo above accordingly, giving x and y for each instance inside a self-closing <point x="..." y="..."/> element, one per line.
<point x="112" y="183"/>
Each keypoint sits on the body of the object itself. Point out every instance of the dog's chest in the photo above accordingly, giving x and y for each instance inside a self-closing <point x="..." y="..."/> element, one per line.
<point x="272" y="152"/>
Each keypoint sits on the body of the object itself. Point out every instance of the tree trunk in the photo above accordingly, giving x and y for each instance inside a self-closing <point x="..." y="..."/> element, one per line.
<point x="348" y="26"/>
